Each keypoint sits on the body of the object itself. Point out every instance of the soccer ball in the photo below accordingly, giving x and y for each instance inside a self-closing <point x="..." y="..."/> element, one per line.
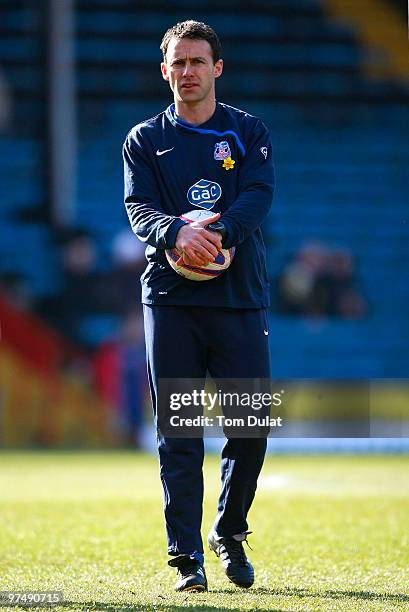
<point x="200" y="273"/>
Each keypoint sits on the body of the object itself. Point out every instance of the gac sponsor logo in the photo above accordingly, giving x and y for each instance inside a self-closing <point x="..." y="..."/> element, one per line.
<point x="204" y="194"/>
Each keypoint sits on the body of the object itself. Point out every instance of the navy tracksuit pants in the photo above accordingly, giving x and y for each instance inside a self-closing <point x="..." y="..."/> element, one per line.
<point x="185" y="342"/>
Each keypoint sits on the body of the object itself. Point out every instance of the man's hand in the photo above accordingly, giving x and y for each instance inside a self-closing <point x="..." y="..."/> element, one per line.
<point x="198" y="245"/>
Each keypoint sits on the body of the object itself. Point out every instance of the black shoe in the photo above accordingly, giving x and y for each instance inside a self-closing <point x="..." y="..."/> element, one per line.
<point x="233" y="558"/>
<point x="191" y="574"/>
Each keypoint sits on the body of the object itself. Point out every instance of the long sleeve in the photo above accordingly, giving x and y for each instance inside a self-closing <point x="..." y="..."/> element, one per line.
<point x="143" y="201"/>
<point x="256" y="187"/>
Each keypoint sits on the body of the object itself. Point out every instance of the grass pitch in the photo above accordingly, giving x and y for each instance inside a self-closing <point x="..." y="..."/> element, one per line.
<point x="330" y="533"/>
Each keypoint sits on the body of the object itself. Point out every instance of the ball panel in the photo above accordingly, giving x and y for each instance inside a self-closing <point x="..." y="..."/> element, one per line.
<point x="196" y="215"/>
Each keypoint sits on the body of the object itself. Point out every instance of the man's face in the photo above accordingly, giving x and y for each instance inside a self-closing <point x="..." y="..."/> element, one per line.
<point x="190" y="70"/>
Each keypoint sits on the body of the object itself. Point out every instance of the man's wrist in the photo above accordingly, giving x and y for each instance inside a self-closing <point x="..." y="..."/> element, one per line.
<point x="218" y="226"/>
<point x="172" y="232"/>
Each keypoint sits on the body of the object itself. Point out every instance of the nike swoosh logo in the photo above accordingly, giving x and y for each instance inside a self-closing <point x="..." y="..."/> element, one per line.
<point x="165" y="151"/>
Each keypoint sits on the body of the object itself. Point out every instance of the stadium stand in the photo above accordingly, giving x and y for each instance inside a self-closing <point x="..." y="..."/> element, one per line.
<point x="44" y="404"/>
<point x="341" y="154"/>
<point x="26" y="245"/>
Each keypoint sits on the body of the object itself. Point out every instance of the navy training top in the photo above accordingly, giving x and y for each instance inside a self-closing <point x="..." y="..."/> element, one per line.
<point x="172" y="167"/>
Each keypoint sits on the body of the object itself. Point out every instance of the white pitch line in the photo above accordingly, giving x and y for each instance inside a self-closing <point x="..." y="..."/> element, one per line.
<point x="272" y="481"/>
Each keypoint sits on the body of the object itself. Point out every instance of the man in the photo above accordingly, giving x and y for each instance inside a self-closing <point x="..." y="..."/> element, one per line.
<point x="218" y="326"/>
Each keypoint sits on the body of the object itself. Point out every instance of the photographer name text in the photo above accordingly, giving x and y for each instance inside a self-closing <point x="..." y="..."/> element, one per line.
<point x="222" y="421"/>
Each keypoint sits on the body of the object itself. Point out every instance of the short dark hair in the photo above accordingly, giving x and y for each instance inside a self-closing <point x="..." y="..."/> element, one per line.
<point x="195" y="30"/>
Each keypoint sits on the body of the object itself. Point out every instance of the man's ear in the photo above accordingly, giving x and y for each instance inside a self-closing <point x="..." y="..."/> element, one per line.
<point x="218" y="68"/>
<point x="164" y="71"/>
